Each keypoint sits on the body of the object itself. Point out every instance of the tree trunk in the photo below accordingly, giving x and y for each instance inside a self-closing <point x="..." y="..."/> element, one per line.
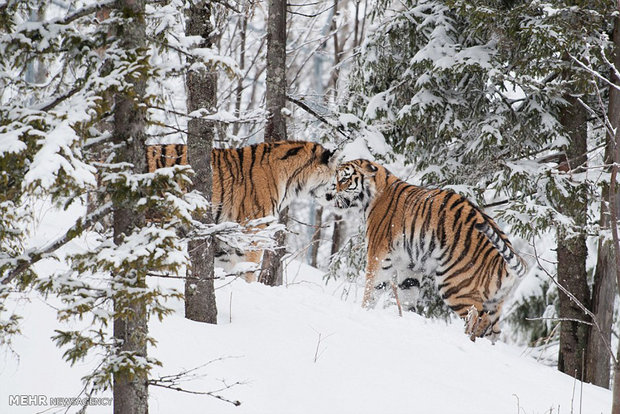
<point x="604" y="289"/>
<point x="315" y="242"/>
<point x="239" y="91"/>
<point x="275" y="96"/>
<point x="275" y="128"/>
<point x="130" y="331"/>
<point x="339" y="230"/>
<point x="572" y="251"/>
<point x="201" y="83"/>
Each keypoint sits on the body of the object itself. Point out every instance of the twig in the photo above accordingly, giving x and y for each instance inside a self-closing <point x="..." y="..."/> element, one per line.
<point x="316" y="352"/>
<point x="169" y="276"/>
<point x="172" y="382"/>
<point x="561" y="320"/>
<point x="312" y="112"/>
<point x="395" y="291"/>
<point x="155" y="383"/>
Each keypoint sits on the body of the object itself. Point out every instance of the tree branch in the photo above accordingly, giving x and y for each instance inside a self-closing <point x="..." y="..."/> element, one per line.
<point x="39" y="253"/>
<point x="84" y="11"/>
<point x="172" y="382"/>
<point x="318" y="116"/>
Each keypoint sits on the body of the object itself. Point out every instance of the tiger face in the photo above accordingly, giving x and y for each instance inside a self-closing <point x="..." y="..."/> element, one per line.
<point x="353" y="187"/>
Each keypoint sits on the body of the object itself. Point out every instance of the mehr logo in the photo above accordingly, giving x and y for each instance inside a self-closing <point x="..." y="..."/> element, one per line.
<point x="38" y="400"/>
<point x="27" y="399"/>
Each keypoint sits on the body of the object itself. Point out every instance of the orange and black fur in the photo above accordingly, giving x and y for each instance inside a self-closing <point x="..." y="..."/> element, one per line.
<point x="256" y="181"/>
<point x="413" y="231"/>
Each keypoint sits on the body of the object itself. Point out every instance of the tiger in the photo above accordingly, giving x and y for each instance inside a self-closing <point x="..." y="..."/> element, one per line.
<point x="255" y="181"/>
<point x="413" y="231"/>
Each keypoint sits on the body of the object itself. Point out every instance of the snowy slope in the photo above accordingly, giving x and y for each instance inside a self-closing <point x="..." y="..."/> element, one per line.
<point x="267" y="341"/>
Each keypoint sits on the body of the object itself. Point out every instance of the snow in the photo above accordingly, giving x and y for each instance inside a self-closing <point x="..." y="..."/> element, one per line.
<point x="299" y="348"/>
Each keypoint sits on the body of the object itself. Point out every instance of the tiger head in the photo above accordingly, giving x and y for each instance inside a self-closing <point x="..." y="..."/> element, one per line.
<point x="354" y="185"/>
<point x="308" y="168"/>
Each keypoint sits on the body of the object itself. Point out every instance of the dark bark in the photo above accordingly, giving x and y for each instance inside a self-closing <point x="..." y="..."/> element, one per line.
<point x="613" y="206"/>
<point x="130" y="389"/>
<point x="275" y="128"/>
<point x="271" y="268"/>
<point x="275" y="96"/>
<point x="201" y="83"/>
<point x="604" y="289"/>
<point x="339" y="230"/>
<point x="572" y="251"/>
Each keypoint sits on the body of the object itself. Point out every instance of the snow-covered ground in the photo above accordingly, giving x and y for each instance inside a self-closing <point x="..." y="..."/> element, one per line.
<point x="300" y="348"/>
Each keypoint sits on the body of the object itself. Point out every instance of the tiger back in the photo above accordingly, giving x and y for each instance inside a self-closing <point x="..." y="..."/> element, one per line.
<point x="413" y="231"/>
<point x="255" y="181"/>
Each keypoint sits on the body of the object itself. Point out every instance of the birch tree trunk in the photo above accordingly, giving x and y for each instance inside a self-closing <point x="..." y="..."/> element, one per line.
<point x="201" y="83"/>
<point x="130" y="331"/>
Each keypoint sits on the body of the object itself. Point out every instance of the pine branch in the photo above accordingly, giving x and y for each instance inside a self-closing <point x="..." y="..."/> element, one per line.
<point x="59" y="99"/>
<point x="37" y="254"/>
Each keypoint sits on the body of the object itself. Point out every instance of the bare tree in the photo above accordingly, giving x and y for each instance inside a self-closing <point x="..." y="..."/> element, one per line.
<point x="201" y="84"/>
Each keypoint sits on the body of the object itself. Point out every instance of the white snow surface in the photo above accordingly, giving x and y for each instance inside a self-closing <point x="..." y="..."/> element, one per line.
<point x="267" y="340"/>
<point x="302" y="349"/>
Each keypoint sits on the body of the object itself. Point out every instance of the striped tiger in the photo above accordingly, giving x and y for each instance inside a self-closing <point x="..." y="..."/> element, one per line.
<point x="255" y="181"/>
<point x="413" y="231"/>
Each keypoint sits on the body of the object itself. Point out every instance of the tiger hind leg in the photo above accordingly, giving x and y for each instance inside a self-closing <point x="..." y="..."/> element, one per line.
<point x="480" y="324"/>
<point x="253" y="256"/>
<point x="234" y="260"/>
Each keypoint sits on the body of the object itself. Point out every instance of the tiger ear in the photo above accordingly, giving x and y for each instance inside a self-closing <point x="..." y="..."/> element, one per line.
<point x="330" y="158"/>
<point x="370" y="169"/>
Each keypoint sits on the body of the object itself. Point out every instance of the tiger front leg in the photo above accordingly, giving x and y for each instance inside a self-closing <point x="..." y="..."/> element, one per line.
<point x="253" y="256"/>
<point x="378" y="275"/>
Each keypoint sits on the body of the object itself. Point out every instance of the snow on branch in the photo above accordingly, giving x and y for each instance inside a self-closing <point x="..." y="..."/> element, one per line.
<point x="34" y="255"/>
<point x="257" y="234"/>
